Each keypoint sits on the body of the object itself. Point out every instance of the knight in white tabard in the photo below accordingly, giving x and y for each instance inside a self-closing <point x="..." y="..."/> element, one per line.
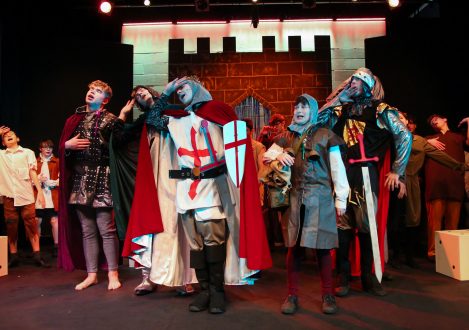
<point x="223" y="223"/>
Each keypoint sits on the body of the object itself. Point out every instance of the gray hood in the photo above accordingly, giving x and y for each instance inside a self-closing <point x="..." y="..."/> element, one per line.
<point x="313" y="106"/>
<point x="199" y="94"/>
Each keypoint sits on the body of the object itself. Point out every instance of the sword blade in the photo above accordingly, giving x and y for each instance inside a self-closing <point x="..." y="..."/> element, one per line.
<point x="370" y="209"/>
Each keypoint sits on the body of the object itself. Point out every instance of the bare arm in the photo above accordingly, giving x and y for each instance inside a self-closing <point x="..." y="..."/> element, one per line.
<point x="466" y="121"/>
<point x="35" y="180"/>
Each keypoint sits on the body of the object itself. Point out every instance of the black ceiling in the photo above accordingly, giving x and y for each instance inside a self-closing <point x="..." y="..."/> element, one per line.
<point x="134" y="10"/>
<point x="79" y="19"/>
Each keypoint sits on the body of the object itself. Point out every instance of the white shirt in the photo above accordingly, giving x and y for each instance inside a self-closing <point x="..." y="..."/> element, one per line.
<point x="47" y="185"/>
<point x="15" y="181"/>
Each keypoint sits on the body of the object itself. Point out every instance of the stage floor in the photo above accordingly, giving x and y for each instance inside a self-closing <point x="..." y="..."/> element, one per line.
<point x="35" y="298"/>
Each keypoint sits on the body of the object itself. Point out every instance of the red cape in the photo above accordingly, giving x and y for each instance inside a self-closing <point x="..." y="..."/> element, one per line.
<point x="70" y="252"/>
<point x="252" y="238"/>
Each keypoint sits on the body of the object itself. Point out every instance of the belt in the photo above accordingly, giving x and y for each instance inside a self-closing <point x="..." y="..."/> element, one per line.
<point x="196" y="173"/>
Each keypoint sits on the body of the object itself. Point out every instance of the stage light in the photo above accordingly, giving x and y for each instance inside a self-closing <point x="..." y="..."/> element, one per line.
<point x="147" y="3"/>
<point x="202" y="5"/>
<point x="255" y="15"/>
<point x="105" y="7"/>
<point x="393" y="3"/>
<point x="254" y="1"/>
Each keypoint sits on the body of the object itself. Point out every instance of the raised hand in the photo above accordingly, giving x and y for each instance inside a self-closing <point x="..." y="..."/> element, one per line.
<point x="172" y="86"/>
<point x="3" y="130"/>
<point x="126" y="109"/>
<point x="465" y="120"/>
<point x="346" y="95"/>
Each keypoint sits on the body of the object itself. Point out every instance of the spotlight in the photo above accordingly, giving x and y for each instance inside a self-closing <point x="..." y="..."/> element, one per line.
<point x="393" y="3"/>
<point x="255" y="15"/>
<point x="147" y="3"/>
<point x="105" y="7"/>
<point x="202" y="5"/>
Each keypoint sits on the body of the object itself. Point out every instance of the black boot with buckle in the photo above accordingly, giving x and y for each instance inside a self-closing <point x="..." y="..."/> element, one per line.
<point x="202" y="299"/>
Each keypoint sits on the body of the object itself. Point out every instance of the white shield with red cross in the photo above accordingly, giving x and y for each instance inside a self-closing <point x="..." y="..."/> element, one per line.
<point x="235" y="139"/>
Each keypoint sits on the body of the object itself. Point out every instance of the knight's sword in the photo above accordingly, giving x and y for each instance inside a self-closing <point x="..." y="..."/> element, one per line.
<point x="370" y="207"/>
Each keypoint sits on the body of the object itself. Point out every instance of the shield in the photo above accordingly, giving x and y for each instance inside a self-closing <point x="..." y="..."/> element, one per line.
<point x="235" y="139"/>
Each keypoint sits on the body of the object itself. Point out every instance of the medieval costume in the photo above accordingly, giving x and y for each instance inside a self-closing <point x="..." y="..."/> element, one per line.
<point x="152" y="238"/>
<point x="190" y="141"/>
<point x="310" y="221"/>
<point x="85" y="181"/>
<point x="380" y="125"/>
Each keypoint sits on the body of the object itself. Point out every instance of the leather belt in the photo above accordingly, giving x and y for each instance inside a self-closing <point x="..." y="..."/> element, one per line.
<point x="196" y="173"/>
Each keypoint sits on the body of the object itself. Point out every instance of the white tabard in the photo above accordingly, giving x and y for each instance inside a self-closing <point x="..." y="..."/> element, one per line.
<point x="198" y="195"/>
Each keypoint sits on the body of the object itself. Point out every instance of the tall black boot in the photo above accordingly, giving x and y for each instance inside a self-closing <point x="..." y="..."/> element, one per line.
<point x="202" y="300"/>
<point x="216" y="256"/>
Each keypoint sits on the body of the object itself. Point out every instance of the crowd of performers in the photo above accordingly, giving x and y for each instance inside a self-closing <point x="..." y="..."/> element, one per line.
<point x="166" y="186"/>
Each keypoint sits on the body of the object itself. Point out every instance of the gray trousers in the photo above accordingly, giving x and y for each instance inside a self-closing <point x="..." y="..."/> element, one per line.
<point x="200" y="233"/>
<point x="93" y="220"/>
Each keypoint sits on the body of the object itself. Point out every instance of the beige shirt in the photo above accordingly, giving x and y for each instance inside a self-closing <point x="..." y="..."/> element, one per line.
<point x="15" y="181"/>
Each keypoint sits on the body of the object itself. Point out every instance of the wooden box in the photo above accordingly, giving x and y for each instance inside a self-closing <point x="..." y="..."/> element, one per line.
<point x="452" y="253"/>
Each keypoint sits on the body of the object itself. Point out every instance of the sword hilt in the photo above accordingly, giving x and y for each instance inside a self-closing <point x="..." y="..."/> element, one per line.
<point x="363" y="158"/>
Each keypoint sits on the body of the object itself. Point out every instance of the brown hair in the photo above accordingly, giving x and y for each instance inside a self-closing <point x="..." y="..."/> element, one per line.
<point x="104" y="86"/>
<point x="153" y="92"/>
<point x="276" y="119"/>
<point x="46" y="143"/>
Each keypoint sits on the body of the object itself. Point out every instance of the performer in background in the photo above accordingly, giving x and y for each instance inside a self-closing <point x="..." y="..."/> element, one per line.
<point x="444" y="187"/>
<point x="48" y="168"/>
<point x="422" y="151"/>
<point x="17" y="175"/>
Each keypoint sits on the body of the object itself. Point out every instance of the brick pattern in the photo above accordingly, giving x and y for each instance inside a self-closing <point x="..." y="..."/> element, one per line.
<point x="274" y="78"/>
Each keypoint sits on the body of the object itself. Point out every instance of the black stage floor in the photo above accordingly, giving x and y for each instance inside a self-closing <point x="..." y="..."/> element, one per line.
<point x="35" y="298"/>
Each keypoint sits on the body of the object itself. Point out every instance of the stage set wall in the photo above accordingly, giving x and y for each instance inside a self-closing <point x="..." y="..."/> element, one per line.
<point x="275" y="62"/>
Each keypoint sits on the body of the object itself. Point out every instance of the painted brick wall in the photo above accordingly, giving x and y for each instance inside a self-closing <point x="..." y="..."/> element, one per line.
<point x="274" y="78"/>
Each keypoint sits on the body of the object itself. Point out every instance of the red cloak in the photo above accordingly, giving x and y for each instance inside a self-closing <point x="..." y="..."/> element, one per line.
<point x="253" y="244"/>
